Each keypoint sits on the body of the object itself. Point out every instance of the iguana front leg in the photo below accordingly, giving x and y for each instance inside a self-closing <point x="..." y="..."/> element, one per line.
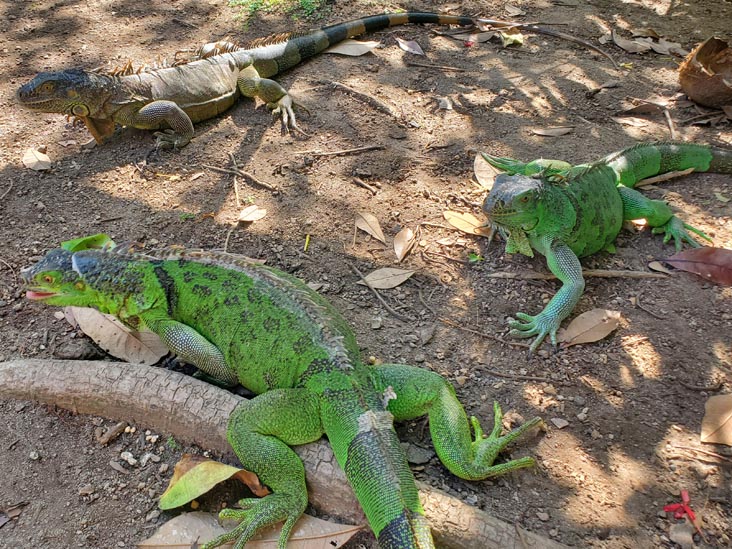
<point x="157" y="114"/>
<point x="659" y="216"/>
<point x="260" y="431"/>
<point x="563" y="263"/>
<point x="190" y="346"/>
<point x="272" y="93"/>
<point x="420" y="392"/>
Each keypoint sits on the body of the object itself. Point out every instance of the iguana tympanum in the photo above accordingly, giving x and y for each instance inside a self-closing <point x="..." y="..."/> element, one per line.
<point x="173" y="98"/>
<point x="565" y="212"/>
<point x="239" y="320"/>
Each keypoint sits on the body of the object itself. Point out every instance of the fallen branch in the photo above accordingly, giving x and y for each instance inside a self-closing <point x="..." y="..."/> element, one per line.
<point x="196" y="412"/>
<point x="242" y="174"/>
<point x="343" y="151"/>
<point x="599" y="273"/>
<point x="378" y="105"/>
<point x="663" y="177"/>
<point x="361" y="183"/>
<point x="10" y="188"/>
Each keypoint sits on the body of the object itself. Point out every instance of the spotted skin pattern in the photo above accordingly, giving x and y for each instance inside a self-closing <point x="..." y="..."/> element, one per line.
<point x="565" y="212"/>
<point x="241" y="321"/>
<point x="172" y="99"/>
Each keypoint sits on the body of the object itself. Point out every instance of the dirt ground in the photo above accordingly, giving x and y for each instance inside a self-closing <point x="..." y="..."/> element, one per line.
<point x="633" y="402"/>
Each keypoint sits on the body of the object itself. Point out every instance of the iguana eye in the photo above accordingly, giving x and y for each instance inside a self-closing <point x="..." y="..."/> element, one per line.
<point x="48" y="279"/>
<point x="47" y="87"/>
<point x="524" y="199"/>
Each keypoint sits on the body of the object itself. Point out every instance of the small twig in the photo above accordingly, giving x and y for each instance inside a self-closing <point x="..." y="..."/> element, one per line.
<point x="343" y="151"/>
<point x="228" y="236"/>
<point x="663" y="177"/>
<point x="236" y="181"/>
<point x="444" y="256"/>
<point x="376" y="293"/>
<point x="705" y="452"/>
<point x="702" y="116"/>
<point x="430" y="66"/>
<point x="10" y="188"/>
<point x="599" y="273"/>
<point x="517" y="377"/>
<point x="108" y="219"/>
<point x="483" y="334"/>
<point x="361" y="183"/>
<point x="710" y="388"/>
<point x="378" y="105"/>
<point x="642" y="308"/>
<point x="423" y="302"/>
<point x="670" y="122"/>
<point x="9" y="266"/>
<point x="243" y="174"/>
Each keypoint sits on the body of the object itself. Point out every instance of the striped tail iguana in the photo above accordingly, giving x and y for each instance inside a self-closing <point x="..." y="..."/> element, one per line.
<point x="174" y="98"/>
<point x="565" y="212"/>
<point x="239" y="320"/>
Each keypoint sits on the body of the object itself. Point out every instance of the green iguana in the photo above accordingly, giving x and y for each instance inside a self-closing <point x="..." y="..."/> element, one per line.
<point x="174" y="98"/>
<point x="565" y="212"/>
<point x="238" y="320"/>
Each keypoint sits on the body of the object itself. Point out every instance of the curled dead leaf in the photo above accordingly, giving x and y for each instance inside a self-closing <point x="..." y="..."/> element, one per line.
<point x="252" y="213"/>
<point x="36" y="160"/>
<point x="631" y="46"/>
<point x="388" y="277"/>
<point x="554" y="131"/>
<point x="354" y="48"/>
<point x="717" y="423"/>
<point x="403" y="242"/>
<point x="368" y="223"/>
<point x="467" y="223"/>
<point x="410" y="46"/>
<point x="706" y="74"/>
<point x="484" y="172"/>
<point x="589" y="327"/>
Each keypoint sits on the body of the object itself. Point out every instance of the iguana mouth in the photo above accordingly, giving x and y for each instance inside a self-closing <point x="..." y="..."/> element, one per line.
<point x="32" y="294"/>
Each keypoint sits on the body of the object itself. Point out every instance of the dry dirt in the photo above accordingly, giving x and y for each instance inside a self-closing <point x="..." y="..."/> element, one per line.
<point x="633" y="401"/>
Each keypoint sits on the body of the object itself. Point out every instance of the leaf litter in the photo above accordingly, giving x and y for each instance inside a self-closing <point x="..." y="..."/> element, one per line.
<point x="713" y="264"/>
<point x="386" y="278"/>
<point x="589" y="327"/>
<point x="368" y="223"/>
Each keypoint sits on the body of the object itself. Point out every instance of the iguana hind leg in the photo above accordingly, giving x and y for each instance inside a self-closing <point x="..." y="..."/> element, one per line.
<point x="260" y="431"/>
<point x="420" y="392"/>
<point x="658" y="214"/>
<point x="156" y="115"/>
<point x="272" y="93"/>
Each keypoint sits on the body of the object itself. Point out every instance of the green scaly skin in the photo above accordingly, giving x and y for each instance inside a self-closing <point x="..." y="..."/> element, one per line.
<point x="565" y="212"/>
<point x="238" y="320"/>
<point x="174" y="98"/>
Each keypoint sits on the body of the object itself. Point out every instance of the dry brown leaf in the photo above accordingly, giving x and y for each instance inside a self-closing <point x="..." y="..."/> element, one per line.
<point x="403" y="242"/>
<point x="717" y="423"/>
<point x="643" y="108"/>
<point x="410" y="46"/>
<point x="474" y="37"/>
<point x="309" y="532"/>
<point x="36" y="160"/>
<point x="367" y="222"/>
<point x="706" y="74"/>
<point x="589" y="327"/>
<point x="630" y="121"/>
<point x="631" y="46"/>
<point x="713" y="264"/>
<point x="484" y="172"/>
<point x="353" y="48"/>
<point x="143" y="347"/>
<point x="467" y="223"/>
<point x="252" y="213"/>
<point x="554" y="131"/>
<point x="388" y="277"/>
<point x="658" y="266"/>
<point x="513" y="11"/>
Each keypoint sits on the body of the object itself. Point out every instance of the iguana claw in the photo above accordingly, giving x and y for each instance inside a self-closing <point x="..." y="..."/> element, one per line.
<point x="677" y="229"/>
<point x="541" y="325"/>
<point x="284" y="107"/>
<point x="168" y="139"/>
<point x="256" y="513"/>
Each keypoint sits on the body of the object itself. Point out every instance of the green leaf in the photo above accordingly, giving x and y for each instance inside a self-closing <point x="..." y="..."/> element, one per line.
<point x="94" y="241"/>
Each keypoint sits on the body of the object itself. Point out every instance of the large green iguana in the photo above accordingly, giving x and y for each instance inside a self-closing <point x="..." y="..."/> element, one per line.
<point x="565" y="212"/>
<point x="173" y="98"/>
<point x="238" y="320"/>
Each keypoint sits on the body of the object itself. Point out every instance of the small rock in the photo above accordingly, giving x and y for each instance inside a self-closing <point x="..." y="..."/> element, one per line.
<point x="86" y="490"/>
<point x="35" y="456"/>
<point x="461" y="380"/>
<point x="376" y="323"/>
<point x="472" y="499"/>
<point x="542" y="516"/>
<point x="117" y="466"/>
<point x="163" y="468"/>
<point x="419" y="357"/>
<point x="559" y="423"/>
<point x="152" y="515"/>
<point x="129" y="458"/>
<point x="417" y="455"/>
<point x="579" y="401"/>
<point x="147" y="456"/>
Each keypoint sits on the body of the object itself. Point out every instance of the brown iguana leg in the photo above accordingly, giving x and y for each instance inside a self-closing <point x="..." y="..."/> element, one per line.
<point x="277" y="99"/>
<point x="157" y="114"/>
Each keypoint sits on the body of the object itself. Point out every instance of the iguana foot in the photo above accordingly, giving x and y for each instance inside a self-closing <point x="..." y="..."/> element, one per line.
<point x="677" y="229"/>
<point x="284" y="108"/>
<point x="256" y="513"/>
<point x="541" y="325"/>
<point x="487" y="449"/>
<point x="168" y="139"/>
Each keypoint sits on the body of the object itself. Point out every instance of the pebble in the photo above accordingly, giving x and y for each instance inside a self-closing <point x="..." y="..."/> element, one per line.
<point x="542" y="516"/>
<point x="559" y="423"/>
<point x="86" y="490"/>
<point x="152" y="515"/>
<point x="129" y="458"/>
<point x="35" y="456"/>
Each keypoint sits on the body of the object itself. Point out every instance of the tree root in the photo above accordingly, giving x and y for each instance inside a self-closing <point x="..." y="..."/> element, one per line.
<point x="196" y="412"/>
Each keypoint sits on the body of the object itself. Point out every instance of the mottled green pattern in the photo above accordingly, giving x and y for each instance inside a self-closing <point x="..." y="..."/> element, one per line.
<point x="239" y="320"/>
<point x="566" y="212"/>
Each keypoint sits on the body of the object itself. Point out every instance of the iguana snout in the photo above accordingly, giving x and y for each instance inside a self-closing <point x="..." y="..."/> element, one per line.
<point x="74" y="92"/>
<point x="51" y="277"/>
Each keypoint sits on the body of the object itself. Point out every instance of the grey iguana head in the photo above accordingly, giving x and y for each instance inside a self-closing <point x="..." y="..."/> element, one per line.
<point x="74" y="92"/>
<point x="514" y="202"/>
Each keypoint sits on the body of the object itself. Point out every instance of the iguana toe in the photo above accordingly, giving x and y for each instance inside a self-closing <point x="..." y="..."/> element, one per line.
<point x="541" y="326"/>
<point x="284" y="108"/>
<point x="168" y="139"/>
<point x="677" y="229"/>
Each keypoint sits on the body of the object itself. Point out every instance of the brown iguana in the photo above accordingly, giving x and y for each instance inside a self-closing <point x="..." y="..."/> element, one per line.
<point x="173" y="98"/>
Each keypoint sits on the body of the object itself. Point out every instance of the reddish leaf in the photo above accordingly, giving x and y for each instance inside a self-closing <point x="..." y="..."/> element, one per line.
<point x="714" y="264"/>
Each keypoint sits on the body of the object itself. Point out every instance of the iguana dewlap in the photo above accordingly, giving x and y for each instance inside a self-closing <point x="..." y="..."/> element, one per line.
<point x="174" y="98"/>
<point x="239" y="320"/>
<point x="565" y="212"/>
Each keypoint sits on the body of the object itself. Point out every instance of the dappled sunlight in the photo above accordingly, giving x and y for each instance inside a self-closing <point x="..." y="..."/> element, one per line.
<point x="594" y="485"/>
<point x="646" y="360"/>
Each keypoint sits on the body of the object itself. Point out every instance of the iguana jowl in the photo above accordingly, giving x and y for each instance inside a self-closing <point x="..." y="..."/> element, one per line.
<point x="238" y="320"/>
<point x="174" y="98"/>
<point x="565" y="212"/>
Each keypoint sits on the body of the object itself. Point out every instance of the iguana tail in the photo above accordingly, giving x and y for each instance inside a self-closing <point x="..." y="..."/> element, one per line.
<point x="649" y="159"/>
<point x="288" y="52"/>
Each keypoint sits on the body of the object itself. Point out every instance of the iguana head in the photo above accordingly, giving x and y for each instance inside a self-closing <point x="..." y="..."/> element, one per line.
<point x="74" y="92"/>
<point x="54" y="281"/>
<point x="514" y="202"/>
